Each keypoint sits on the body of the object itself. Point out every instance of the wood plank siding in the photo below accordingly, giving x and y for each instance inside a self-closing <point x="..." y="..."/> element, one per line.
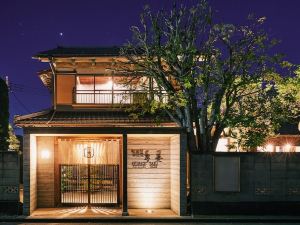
<point x="45" y="172"/>
<point x="148" y="187"/>
<point x="175" y="173"/>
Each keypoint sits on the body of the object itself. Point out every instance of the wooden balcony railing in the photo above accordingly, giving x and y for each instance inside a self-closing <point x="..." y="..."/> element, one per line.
<point x="113" y="97"/>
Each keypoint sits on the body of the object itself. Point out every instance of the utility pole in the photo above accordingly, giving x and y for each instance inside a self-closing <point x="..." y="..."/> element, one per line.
<point x="4" y="115"/>
<point x="7" y="82"/>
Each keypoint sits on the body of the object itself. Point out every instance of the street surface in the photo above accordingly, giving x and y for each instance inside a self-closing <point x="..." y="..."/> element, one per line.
<point x="11" y="223"/>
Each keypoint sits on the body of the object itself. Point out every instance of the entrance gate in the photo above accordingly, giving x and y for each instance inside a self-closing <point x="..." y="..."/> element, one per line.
<point x="89" y="184"/>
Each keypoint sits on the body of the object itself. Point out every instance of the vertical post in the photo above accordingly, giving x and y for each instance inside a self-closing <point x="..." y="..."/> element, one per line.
<point x="89" y="182"/>
<point x="183" y="174"/>
<point x="112" y="88"/>
<point x="57" y="182"/>
<point x="94" y="89"/>
<point x="124" y="177"/>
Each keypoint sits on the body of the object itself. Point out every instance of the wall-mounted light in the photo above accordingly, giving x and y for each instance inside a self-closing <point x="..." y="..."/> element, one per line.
<point x="45" y="154"/>
<point x="149" y="211"/>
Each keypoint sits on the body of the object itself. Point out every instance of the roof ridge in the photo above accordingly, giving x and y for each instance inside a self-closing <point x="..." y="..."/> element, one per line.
<point x="102" y="46"/>
<point x="34" y="114"/>
<point x="80" y="51"/>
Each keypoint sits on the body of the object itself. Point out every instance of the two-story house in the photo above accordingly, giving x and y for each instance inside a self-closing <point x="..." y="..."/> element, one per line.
<point x="87" y="150"/>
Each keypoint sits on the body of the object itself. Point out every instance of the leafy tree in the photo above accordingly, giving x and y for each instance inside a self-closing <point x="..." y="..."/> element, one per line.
<point x="220" y="78"/>
<point x="14" y="143"/>
<point x="4" y="115"/>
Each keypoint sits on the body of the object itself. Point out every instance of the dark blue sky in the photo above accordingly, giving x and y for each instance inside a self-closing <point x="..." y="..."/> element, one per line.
<point x="30" y="26"/>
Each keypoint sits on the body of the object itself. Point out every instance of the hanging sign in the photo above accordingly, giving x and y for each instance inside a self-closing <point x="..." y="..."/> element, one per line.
<point x="88" y="152"/>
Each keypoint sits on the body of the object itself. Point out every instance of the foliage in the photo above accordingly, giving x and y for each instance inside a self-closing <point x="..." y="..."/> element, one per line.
<point x="279" y="104"/>
<point x="4" y="115"/>
<point x="217" y="76"/>
<point x="14" y="143"/>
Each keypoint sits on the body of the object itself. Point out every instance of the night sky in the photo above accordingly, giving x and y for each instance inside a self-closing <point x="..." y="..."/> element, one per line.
<point x="30" y="26"/>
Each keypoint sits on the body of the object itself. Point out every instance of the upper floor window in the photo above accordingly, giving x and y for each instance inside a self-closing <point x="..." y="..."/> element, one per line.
<point x="109" y="90"/>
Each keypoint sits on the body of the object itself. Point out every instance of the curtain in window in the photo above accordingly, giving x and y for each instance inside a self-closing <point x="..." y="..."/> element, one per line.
<point x="72" y="151"/>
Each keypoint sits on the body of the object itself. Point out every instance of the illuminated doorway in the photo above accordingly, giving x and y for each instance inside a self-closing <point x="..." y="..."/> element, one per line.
<point x="89" y="171"/>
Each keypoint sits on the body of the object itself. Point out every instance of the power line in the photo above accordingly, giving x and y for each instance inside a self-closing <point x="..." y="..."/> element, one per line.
<point x="27" y="90"/>
<point x="25" y="86"/>
<point x="20" y="102"/>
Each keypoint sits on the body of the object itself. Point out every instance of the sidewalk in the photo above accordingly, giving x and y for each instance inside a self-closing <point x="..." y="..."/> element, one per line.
<point x="186" y="219"/>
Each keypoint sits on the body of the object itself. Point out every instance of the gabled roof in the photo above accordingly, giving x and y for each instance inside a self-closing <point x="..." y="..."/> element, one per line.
<point x="79" y="52"/>
<point x="51" y="118"/>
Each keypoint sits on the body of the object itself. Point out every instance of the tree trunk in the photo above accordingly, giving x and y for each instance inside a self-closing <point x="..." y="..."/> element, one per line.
<point x="196" y="121"/>
<point x="215" y="137"/>
<point x="191" y="141"/>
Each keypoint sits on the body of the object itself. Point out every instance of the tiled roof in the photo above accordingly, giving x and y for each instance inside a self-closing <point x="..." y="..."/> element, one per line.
<point x="89" y="118"/>
<point x="79" y="51"/>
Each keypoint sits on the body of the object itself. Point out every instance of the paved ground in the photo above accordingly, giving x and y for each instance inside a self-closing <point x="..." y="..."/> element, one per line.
<point x="96" y="212"/>
<point x="3" y="223"/>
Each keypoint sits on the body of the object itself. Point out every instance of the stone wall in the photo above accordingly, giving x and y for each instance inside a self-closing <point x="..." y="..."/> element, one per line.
<point x="267" y="183"/>
<point x="9" y="182"/>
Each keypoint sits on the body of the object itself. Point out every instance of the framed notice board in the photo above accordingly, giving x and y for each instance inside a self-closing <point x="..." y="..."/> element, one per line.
<point x="227" y="173"/>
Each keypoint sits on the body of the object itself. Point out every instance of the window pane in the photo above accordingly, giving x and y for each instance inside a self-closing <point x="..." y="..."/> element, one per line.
<point x="103" y="90"/>
<point x="120" y="83"/>
<point x="103" y="83"/>
<point x="85" y="83"/>
<point x="85" y="89"/>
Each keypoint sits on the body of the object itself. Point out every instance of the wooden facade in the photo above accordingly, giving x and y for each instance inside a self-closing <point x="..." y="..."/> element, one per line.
<point x="153" y="184"/>
<point x="151" y="157"/>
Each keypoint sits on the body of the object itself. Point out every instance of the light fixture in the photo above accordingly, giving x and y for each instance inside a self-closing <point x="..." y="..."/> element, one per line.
<point x="149" y="211"/>
<point x="45" y="154"/>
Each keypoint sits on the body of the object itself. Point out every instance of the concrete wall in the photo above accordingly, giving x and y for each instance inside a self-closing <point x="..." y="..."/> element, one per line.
<point x="267" y="183"/>
<point x="9" y="177"/>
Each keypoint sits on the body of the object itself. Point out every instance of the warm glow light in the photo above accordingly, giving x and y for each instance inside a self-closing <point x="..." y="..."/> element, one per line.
<point x="109" y="84"/>
<point x="269" y="148"/>
<point x="287" y="147"/>
<point x="149" y="211"/>
<point x="45" y="154"/>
